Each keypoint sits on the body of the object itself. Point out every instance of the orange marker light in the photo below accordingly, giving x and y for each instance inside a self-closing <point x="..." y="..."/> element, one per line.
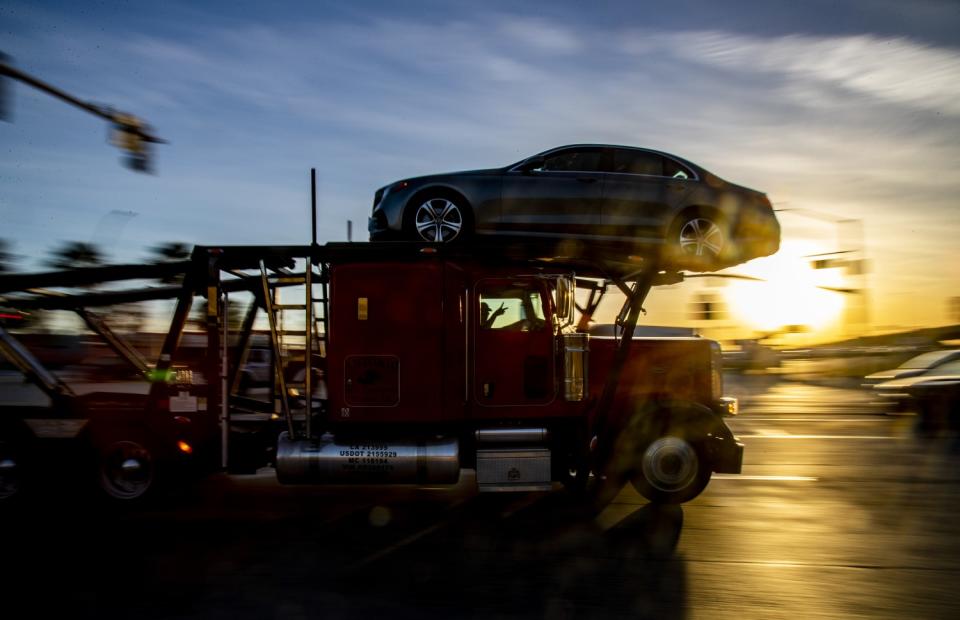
<point x="185" y="447"/>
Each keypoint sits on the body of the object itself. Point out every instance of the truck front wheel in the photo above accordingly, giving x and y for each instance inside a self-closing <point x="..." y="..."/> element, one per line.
<point x="672" y="468"/>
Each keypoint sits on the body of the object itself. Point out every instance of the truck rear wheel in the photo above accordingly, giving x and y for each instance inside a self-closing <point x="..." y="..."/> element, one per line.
<point x="126" y="467"/>
<point x="12" y="471"/>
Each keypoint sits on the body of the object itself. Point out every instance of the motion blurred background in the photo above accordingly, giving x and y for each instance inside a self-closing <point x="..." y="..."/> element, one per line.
<point x="845" y="114"/>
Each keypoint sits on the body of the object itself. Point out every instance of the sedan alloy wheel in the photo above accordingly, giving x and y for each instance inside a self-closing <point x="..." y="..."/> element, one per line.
<point x="439" y="220"/>
<point x="701" y="237"/>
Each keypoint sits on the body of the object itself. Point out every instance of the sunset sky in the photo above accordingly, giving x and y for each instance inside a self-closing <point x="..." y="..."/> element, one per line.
<point x="846" y="114"/>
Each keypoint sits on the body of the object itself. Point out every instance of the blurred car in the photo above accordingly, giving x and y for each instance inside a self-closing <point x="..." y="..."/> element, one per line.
<point x="257" y="371"/>
<point x="619" y="198"/>
<point x="933" y="395"/>
<point x="914" y="366"/>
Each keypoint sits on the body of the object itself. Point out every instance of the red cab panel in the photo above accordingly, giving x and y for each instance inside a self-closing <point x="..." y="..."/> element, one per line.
<point x="386" y="352"/>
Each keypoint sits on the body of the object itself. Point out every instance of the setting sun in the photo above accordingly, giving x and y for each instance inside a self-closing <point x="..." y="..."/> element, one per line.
<point x="790" y="294"/>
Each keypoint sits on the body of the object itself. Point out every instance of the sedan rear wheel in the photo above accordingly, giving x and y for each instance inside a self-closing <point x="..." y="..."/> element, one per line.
<point x="440" y="220"/>
<point x="698" y="240"/>
<point x="701" y="237"/>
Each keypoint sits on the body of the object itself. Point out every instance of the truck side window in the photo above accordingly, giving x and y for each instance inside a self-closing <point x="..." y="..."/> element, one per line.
<point x="515" y="308"/>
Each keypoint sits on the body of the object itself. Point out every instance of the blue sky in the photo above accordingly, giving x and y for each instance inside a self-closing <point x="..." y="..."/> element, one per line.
<point x="850" y="111"/>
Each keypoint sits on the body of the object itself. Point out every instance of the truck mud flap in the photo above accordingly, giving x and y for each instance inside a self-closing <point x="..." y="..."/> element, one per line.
<point x="726" y="454"/>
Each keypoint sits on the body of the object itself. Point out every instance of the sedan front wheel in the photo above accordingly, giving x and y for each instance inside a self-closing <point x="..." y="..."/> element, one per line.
<point x="440" y="220"/>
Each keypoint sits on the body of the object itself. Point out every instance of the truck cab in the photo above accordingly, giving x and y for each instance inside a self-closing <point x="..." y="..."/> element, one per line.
<point x="489" y="361"/>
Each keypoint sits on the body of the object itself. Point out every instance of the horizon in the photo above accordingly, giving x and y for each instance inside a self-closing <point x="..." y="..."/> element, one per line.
<point x="847" y="112"/>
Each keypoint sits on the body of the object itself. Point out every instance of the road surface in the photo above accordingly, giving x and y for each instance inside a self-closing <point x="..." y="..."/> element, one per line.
<point x="841" y="512"/>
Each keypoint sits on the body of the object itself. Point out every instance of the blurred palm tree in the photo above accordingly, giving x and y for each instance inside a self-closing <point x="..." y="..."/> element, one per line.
<point x="6" y="258"/>
<point x="170" y="251"/>
<point x="74" y="254"/>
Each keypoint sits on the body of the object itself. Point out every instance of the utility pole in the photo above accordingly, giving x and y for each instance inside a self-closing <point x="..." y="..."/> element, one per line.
<point x="129" y="133"/>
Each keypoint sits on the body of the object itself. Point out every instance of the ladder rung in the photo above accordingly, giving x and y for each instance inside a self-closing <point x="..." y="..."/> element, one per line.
<point x="289" y="280"/>
<point x="319" y="300"/>
<point x="289" y="306"/>
<point x="292" y="332"/>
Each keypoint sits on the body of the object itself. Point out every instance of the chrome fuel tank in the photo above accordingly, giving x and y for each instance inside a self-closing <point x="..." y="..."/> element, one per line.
<point x="405" y="461"/>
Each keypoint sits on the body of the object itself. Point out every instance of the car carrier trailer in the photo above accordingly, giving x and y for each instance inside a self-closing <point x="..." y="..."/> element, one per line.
<point x="416" y="362"/>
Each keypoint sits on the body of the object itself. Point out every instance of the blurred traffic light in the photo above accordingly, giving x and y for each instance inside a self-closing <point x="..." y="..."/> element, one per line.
<point x="129" y="133"/>
<point x="134" y="136"/>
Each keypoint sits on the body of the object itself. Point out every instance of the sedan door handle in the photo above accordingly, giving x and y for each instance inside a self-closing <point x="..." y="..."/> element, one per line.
<point x="587" y="179"/>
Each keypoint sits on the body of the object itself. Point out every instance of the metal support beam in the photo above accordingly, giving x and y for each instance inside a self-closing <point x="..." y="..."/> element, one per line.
<point x="308" y="351"/>
<point x="275" y="343"/>
<point x="83" y="276"/>
<point x="121" y="347"/>
<point x="212" y="369"/>
<point x="30" y="366"/>
<point x="601" y="421"/>
<point x="243" y="342"/>
<point x="597" y="294"/>
<point x="225" y="388"/>
<point x="171" y="342"/>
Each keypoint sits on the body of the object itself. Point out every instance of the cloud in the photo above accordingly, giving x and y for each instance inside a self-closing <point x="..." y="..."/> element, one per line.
<point x="541" y="34"/>
<point x="891" y="69"/>
<point x="862" y="126"/>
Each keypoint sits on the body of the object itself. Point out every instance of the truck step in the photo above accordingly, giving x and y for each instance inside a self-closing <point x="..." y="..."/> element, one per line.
<point x="513" y="469"/>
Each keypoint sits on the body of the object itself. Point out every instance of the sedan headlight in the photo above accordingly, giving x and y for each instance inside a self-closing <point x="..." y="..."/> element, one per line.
<point x="396" y="187"/>
<point x="383" y="192"/>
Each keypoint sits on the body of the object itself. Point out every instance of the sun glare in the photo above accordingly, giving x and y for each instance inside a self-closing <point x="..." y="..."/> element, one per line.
<point x="791" y="293"/>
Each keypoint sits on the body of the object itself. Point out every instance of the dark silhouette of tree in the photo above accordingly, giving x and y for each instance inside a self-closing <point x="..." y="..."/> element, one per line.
<point x="75" y="254"/>
<point x="170" y="251"/>
<point x="6" y="258"/>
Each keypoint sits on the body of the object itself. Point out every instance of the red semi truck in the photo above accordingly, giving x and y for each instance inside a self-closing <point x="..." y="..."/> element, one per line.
<point x="432" y="361"/>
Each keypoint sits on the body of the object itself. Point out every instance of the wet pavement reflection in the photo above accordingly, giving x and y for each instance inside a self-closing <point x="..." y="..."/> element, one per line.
<point x="841" y="511"/>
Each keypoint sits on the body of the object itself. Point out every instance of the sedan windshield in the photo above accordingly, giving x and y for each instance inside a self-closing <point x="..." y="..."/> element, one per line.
<point x="950" y="368"/>
<point x="927" y="360"/>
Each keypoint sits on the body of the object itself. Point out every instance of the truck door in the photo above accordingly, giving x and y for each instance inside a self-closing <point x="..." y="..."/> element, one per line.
<point x="386" y="345"/>
<point x="513" y="343"/>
